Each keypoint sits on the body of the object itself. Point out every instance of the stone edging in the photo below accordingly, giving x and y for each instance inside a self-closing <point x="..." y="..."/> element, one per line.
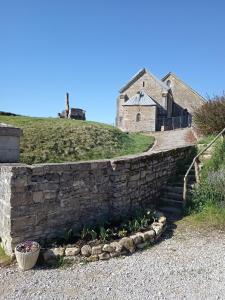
<point x="123" y="246"/>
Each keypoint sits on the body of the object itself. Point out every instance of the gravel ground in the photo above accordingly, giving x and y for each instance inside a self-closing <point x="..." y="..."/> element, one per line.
<point x="188" y="265"/>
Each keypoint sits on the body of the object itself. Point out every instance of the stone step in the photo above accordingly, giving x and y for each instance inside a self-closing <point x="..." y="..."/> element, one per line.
<point x="179" y="184"/>
<point x="188" y="166"/>
<point x="173" y="196"/>
<point x="191" y="172"/>
<point x="174" y="189"/>
<point x="168" y="210"/>
<point x="190" y="178"/>
<point x="171" y="203"/>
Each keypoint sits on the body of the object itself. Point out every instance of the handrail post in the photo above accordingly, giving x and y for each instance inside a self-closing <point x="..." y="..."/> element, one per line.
<point x="197" y="175"/>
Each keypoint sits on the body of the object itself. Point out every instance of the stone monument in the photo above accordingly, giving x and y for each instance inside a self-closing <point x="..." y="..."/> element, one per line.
<point x="9" y="143"/>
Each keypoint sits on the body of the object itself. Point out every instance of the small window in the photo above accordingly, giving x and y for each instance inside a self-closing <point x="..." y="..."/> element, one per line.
<point x="143" y="84"/>
<point x="138" y="117"/>
<point x="168" y="83"/>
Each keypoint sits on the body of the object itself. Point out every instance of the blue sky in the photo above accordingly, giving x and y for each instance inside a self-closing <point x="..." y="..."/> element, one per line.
<point x="91" y="48"/>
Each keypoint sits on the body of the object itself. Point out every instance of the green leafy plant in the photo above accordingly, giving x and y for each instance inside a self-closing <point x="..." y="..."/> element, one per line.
<point x="144" y="222"/>
<point x="211" y="189"/>
<point x="122" y="233"/>
<point x="84" y="232"/>
<point x="209" y="118"/>
<point x="104" y="234"/>
<point x="68" y="235"/>
<point x="134" y="225"/>
<point x="93" y="234"/>
<point x="4" y="259"/>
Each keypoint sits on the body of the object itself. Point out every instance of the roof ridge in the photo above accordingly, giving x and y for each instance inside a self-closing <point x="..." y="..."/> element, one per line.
<point x="133" y="78"/>
<point x="140" y="98"/>
<point x="138" y="75"/>
<point x="158" y="80"/>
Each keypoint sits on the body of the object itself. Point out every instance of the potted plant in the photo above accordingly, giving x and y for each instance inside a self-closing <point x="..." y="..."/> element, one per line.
<point x="27" y="254"/>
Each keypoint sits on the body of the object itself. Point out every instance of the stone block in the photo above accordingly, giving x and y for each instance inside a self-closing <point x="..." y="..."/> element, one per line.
<point x="9" y="143"/>
<point x="104" y="256"/>
<point x="38" y="197"/>
<point x="96" y="250"/>
<point x="92" y="258"/>
<point x="86" y="250"/>
<point x="72" y="251"/>
<point x="128" y="244"/>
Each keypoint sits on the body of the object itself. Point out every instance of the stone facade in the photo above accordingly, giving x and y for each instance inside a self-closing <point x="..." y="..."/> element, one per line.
<point x="147" y="121"/>
<point x="43" y="201"/>
<point x="184" y="97"/>
<point x="172" y="97"/>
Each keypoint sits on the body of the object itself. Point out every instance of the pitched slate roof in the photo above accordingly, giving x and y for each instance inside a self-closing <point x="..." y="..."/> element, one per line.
<point x="176" y="77"/>
<point x="138" y="75"/>
<point x="141" y="98"/>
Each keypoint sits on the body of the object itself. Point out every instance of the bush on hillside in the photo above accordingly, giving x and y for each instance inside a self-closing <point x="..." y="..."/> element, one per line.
<point x="210" y="117"/>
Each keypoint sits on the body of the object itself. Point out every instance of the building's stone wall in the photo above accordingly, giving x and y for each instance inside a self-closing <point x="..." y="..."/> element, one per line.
<point x="43" y="201"/>
<point x="147" y="118"/>
<point x="183" y="96"/>
<point x="151" y="86"/>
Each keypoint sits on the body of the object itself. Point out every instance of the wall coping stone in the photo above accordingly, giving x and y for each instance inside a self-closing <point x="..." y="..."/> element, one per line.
<point x="92" y="164"/>
<point x="9" y="130"/>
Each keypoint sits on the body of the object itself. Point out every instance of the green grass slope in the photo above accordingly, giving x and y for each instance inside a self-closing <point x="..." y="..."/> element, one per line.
<point x="60" y="140"/>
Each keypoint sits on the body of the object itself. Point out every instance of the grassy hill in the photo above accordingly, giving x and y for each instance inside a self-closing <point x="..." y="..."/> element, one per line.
<point x="60" y="140"/>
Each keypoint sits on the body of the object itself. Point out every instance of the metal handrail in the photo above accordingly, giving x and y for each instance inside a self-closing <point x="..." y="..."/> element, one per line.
<point x="194" y="161"/>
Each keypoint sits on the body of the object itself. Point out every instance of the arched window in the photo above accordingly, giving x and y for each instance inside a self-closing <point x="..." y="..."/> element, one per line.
<point x="138" y="117"/>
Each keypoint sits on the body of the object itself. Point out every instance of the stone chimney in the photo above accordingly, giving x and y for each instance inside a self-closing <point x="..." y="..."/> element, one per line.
<point x="67" y="105"/>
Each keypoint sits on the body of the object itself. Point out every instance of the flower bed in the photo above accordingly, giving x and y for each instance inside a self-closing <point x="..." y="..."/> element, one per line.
<point x="120" y="242"/>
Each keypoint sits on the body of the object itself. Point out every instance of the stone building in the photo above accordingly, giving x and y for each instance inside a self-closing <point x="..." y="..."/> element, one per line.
<point x="72" y="113"/>
<point x="147" y="103"/>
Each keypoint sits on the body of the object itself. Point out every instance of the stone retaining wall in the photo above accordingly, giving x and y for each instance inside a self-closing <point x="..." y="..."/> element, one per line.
<point x="43" y="201"/>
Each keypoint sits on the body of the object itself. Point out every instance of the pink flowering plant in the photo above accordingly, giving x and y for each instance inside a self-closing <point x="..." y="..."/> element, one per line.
<point x="27" y="246"/>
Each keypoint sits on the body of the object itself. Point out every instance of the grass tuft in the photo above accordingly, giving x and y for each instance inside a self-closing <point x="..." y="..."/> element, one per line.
<point x="4" y="259"/>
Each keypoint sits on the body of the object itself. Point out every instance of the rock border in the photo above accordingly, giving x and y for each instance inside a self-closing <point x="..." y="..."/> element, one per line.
<point x="104" y="251"/>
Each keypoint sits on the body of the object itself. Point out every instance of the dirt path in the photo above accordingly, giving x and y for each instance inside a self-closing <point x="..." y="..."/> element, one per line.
<point x="172" y="139"/>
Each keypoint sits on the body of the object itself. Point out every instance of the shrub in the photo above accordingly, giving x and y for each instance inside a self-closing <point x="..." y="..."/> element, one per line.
<point x="216" y="162"/>
<point x="217" y="181"/>
<point x="211" y="189"/>
<point x="210" y="117"/>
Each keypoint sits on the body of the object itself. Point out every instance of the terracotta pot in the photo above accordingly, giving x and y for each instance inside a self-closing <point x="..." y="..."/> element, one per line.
<point x="27" y="260"/>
